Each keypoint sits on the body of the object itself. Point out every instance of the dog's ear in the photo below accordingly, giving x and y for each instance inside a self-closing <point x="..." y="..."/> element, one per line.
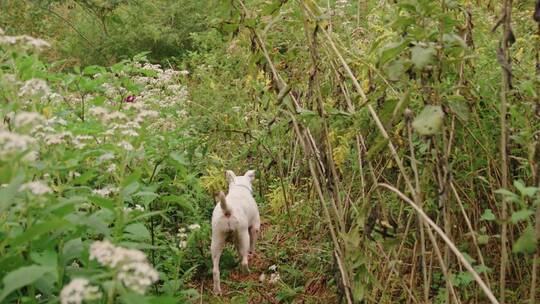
<point x="230" y="176"/>
<point x="250" y="174"/>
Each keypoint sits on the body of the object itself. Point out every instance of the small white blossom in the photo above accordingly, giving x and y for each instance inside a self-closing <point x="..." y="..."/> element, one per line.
<point x="274" y="277"/>
<point x="111" y="168"/>
<point x="52" y="97"/>
<point x="106" y="191"/>
<point x="23" y="119"/>
<point x="103" y="252"/>
<point x="136" y="208"/>
<point x="125" y="145"/>
<point x="116" y="115"/>
<point x="57" y="120"/>
<point x="143" y="115"/>
<point x="75" y="264"/>
<point x="9" y="78"/>
<point x="34" y="87"/>
<point x="105" y="157"/>
<point x="36" y="187"/>
<point x="59" y="138"/>
<point x="137" y="276"/>
<point x="99" y="112"/>
<point x="11" y="143"/>
<point x="133" y="270"/>
<point x="78" y="141"/>
<point x="8" y="40"/>
<point x="77" y="291"/>
<point x="182" y="244"/>
<point x="194" y="226"/>
<point x="32" y="42"/>
<point x="129" y="132"/>
<point x="273" y="268"/>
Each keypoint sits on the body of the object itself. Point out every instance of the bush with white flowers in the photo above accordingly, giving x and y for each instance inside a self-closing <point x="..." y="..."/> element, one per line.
<point x="87" y="154"/>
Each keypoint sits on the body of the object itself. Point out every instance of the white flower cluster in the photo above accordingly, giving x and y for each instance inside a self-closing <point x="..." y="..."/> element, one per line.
<point x="28" y="119"/>
<point x="111" y="168"/>
<point x="23" y="40"/>
<point x="58" y="138"/>
<point x="105" y="157"/>
<point x="36" y="187"/>
<point x="341" y="4"/>
<point x="136" y="208"/>
<point x="79" y="290"/>
<point x="126" y="145"/>
<point x="274" y="276"/>
<point x="166" y="79"/>
<point x="133" y="270"/>
<point x="182" y="234"/>
<point x="106" y="191"/>
<point x="80" y="141"/>
<point x="12" y="143"/>
<point x="34" y="87"/>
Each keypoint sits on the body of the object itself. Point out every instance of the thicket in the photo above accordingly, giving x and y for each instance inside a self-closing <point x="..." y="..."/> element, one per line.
<point x="397" y="146"/>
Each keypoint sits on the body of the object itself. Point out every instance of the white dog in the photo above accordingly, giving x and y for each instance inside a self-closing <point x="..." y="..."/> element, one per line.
<point x="236" y="216"/>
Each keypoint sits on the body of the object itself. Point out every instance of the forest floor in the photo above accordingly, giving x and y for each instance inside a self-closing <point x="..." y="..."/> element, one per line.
<point x="292" y="253"/>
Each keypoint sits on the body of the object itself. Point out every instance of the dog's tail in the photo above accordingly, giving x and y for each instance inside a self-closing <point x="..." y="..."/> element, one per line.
<point x="223" y="203"/>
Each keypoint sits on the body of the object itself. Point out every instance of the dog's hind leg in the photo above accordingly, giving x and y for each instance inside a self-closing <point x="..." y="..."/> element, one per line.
<point x="253" y="235"/>
<point x="218" y="242"/>
<point x="243" y="244"/>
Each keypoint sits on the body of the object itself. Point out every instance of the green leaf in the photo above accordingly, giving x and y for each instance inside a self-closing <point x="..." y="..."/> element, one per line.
<point x="429" y="121"/>
<point x="395" y="69"/>
<point x="483" y="239"/>
<point x="525" y="191"/>
<point x="21" y="277"/>
<point x="391" y="51"/>
<point x="181" y="201"/>
<point x="505" y="193"/>
<point x="521" y="215"/>
<point x="72" y="249"/>
<point x="509" y="196"/>
<point x="137" y="231"/>
<point x="130" y="189"/>
<point x="272" y="8"/>
<point x="133" y="298"/>
<point x="421" y="56"/>
<point x="91" y="70"/>
<point x="172" y="300"/>
<point x="7" y="194"/>
<point x="527" y="242"/>
<point x="46" y="258"/>
<point x="453" y="40"/>
<point x="98" y="222"/>
<point x="102" y="202"/>
<point x="146" y="197"/>
<point x="458" y="105"/>
<point x="488" y="215"/>
<point x="38" y="230"/>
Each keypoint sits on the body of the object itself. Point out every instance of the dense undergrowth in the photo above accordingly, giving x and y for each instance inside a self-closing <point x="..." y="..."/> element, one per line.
<point x="396" y="145"/>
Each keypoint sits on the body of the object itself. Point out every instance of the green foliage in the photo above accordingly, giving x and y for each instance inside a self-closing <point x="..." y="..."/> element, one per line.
<point x="103" y="32"/>
<point x="130" y="152"/>
<point x="82" y="159"/>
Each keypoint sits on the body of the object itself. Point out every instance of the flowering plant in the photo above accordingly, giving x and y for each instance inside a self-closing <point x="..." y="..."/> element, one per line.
<point x="92" y="154"/>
